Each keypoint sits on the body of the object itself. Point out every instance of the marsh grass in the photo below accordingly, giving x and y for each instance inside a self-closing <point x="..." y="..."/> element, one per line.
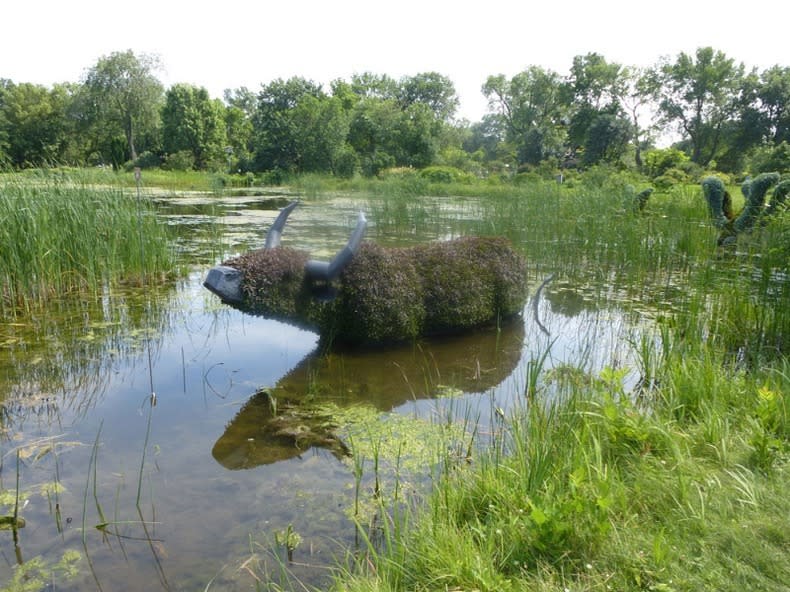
<point x="58" y="237"/>
<point x="679" y="486"/>
<point x="593" y="492"/>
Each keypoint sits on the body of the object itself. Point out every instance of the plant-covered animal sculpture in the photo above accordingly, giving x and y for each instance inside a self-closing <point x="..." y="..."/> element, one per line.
<point x="754" y="191"/>
<point x="369" y="294"/>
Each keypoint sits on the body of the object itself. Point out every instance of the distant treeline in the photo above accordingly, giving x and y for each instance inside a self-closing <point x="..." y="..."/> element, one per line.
<point x="724" y="117"/>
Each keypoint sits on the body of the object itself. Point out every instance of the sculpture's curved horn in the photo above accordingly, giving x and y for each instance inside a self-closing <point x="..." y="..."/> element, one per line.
<point x="327" y="271"/>
<point x="276" y="231"/>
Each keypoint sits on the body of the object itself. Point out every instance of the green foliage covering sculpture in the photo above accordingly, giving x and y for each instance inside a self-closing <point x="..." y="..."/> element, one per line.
<point x="370" y="294"/>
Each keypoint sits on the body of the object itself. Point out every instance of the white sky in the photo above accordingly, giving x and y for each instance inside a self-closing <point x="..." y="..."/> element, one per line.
<point x="222" y="45"/>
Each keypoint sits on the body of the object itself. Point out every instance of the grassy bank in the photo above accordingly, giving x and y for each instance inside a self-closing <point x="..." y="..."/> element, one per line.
<point x="58" y="237"/>
<point x="679" y="486"/>
<point x="684" y="489"/>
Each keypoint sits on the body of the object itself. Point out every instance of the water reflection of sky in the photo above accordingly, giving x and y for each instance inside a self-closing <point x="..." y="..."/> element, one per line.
<point x="206" y="361"/>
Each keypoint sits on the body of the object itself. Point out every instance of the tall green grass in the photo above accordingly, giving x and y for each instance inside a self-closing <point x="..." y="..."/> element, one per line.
<point x="597" y="492"/>
<point x="679" y="486"/>
<point x="57" y="237"/>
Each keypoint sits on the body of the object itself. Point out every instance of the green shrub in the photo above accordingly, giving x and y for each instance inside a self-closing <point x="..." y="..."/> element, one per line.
<point x="670" y="179"/>
<point x="766" y="159"/>
<point x="147" y="160"/>
<point x="445" y="174"/>
<point x="658" y="161"/>
<point x="183" y="160"/>
<point x="347" y="163"/>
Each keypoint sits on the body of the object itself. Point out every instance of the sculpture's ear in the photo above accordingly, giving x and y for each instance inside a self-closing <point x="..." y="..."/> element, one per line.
<point x="276" y="230"/>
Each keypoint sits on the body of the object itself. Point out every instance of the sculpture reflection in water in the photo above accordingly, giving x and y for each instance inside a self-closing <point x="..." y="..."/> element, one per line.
<point x="289" y="419"/>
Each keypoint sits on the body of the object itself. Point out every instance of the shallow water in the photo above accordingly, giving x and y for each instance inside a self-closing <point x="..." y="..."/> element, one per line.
<point x="189" y="493"/>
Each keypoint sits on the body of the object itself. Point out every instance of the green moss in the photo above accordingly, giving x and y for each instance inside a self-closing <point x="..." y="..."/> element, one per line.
<point x="391" y="295"/>
<point x="274" y="282"/>
<point x="381" y="298"/>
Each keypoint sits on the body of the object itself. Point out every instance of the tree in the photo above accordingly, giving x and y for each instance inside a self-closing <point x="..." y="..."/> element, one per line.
<point x="486" y="135"/>
<point x="699" y="95"/>
<point x="122" y="96"/>
<point x="374" y="86"/>
<point x="642" y="86"/>
<point x="5" y="86"/>
<point x="532" y="106"/>
<point x="598" y="121"/>
<point x="607" y="139"/>
<point x="372" y="133"/>
<point x="773" y="94"/>
<point x="275" y="133"/>
<point x="596" y="82"/>
<point x="194" y="122"/>
<point x="430" y="89"/>
<point x="239" y="113"/>
<point x="321" y="126"/>
<point x="34" y="123"/>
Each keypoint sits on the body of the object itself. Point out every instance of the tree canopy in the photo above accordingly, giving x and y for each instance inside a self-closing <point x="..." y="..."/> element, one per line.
<point x="598" y="112"/>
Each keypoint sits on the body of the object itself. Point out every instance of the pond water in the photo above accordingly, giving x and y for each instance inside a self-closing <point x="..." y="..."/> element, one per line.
<point x="189" y="493"/>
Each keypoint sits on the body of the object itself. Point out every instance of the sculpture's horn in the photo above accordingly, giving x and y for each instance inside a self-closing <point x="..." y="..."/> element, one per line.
<point x="276" y="231"/>
<point x="323" y="271"/>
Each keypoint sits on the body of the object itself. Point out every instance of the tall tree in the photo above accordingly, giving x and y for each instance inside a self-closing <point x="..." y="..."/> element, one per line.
<point x="607" y="139"/>
<point x="372" y="133"/>
<point x="123" y="96"/>
<point x="639" y="99"/>
<point x="239" y="113"/>
<point x="699" y="95"/>
<point x="773" y="94"/>
<point x="34" y="123"/>
<point x="321" y="126"/>
<point x="532" y="106"/>
<point x="192" y="121"/>
<point x="597" y="88"/>
<point x="374" y="86"/>
<point x="431" y="89"/>
<point x="275" y="130"/>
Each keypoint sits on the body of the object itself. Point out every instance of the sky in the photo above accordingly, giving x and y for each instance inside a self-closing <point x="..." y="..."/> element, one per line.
<point x="222" y="45"/>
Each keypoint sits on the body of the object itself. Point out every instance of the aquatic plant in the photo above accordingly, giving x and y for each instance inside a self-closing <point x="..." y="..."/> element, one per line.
<point x="59" y="237"/>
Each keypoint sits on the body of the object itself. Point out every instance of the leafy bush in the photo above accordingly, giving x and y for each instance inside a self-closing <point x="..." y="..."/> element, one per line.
<point x="183" y="160"/>
<point x="660" y="160"/>
<point x="670" y="178"/>
<point x="347" y="163"/>
<point x="769" y="158"/>
<point x="445" y="174"/>
<point x="147" y="160"/>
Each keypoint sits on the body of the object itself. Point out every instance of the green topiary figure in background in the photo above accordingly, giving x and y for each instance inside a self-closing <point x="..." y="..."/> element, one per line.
<point x="754" y="191"/>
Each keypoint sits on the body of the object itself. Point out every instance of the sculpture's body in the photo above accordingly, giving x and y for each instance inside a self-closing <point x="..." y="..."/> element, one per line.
<point x="378" y="295"/>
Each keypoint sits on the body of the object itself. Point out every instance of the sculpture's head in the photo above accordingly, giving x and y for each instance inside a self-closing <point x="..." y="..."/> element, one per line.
<point x="280" y="268"/>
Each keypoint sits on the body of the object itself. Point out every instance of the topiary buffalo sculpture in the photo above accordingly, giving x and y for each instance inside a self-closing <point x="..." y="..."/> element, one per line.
<point x="369" y="294"/>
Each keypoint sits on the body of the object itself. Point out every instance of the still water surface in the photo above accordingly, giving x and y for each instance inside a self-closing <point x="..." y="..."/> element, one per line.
<point x="189" y="493"/>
